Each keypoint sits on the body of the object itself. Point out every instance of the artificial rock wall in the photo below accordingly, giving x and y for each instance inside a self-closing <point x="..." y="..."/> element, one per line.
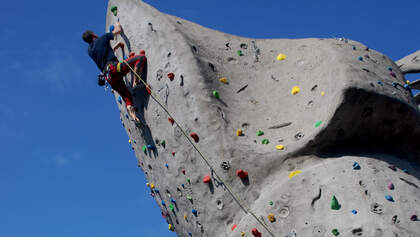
<point x="314" y="137"/>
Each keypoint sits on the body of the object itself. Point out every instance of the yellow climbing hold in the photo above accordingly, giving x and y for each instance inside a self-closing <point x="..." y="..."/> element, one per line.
<point x="239" y="132"/>
<point x="223" y="80"/>
<point x="407" y="82"/>
<point x="271" y="218"/>
<point x="295" y="90"/>
<point x="293" y="173"/>
<point x="280" y="147"/>
<point x="185" y="217"/>
<point x="147" y="184"/>
<point x="170" y="227"/>
<point x="152" y="186"/>
<point x="281" y="57"/>
<point x="129" y="141"/>
<point x="242" y="233"/>
<point x="322" y="93"/>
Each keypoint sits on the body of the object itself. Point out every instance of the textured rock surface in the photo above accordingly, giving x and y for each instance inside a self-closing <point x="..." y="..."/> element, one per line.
<point x="351" y="107"/>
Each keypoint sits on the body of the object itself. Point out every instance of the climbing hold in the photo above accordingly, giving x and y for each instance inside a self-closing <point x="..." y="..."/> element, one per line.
<point x="151" y="147"/>
<point x="111" y="28"/>
<point x="189" y="233"/>
<point x="265" y="141"/>
<point x="171" y="120"/>
<point x="335" y="232"/>
<point x="171" y="76"/>
<point x="185" y="217"/>
<point x="173" y="200"/>
<point x="144" y="148"/>
<point x="293" y="173"/>
<point x="295" y="90"/>
<point x="393" y="74"/>
<point x="322" y="93"/>
<point x="129" y="141"/>
<point x="126" y="116"/>
<point x="114" y="10"/>
<point x="206" y="179"/>
<point x="152" y="186"/>
<point x="260" y="133"/>
<point x="354" y="47"/>
<point x="147" y="184"/>
<point x="163" y="143"/>
<point x="156" y="190"/>
<point x="317" y="124"/>
<point x="234" y="227"/>
<point x="242" y="174"/>
<point x="280" y="147"/>
<point x="281" y="57"/>
<point x="183" y="185"/>
<point x="242" y="233"/>
<point x="414" y="218"/>
<point x="163" y="203"/>
<point x="223" y="80"/>
<point x="379" y="83"/>
<point x="256" y="233"/>
<point x="225" y="165"/>
<point x="239" y="132"/>
<point x="195" y="136"/>
<point x="173" y="153"/>
<point x="216" y="94"/>
<point x="271" y="203"/>
<point x="394" y="84"/>
<point x="188" y="180"/>
<point x="239" y="52"/>
<point x="189" y="197"/>
<point x="334" y="203"/>
<point x="271" y="218"/>
<point x="171" y="207"/>
<point x="194" y="212"/>
<point x="354" y="212"/>
<point x="356" y="166"/>
<point x="360" y="58"/>
<point x="183" y="171"/>
<point x="170" y="227"/>
<point x="389" y="198"/>
<point x="390" y="68"/>
<point x="391" y="186"/>
<point x="119" y="99"/>
<point x="167" y="166"/>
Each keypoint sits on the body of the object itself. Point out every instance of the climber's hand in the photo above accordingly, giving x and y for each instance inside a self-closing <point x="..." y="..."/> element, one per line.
<point x="117" y="29"/>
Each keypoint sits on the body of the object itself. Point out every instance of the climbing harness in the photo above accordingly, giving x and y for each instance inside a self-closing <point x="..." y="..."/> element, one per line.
<point x="244" y="207"/>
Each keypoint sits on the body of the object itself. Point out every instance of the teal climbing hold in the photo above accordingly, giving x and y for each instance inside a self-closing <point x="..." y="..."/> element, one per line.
<point x="334" y="203"/>
<point x="265" y="141"/>
<point x="356" y="166"/>
<point x="360" y="58"/>
<point x="260" y="133"/>
<point x="317" y="124"/>
<point x="216" y="94"/>
<point x="389" y="198"/>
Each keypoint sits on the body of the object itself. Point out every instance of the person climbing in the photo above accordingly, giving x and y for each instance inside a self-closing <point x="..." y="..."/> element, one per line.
<point x="112" y="70"/>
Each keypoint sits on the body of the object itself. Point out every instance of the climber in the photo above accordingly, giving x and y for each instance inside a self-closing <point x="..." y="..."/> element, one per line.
<point x="113" y="71"/>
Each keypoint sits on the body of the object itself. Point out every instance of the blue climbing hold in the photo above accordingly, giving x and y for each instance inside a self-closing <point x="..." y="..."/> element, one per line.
<point x="163" y="203"/>
<point x="360" y="58"/>
<point x="389" y="198"/>
<point x="166" y="165"/>
<point x="189" y="233"/>
<point x="173" y="200"/>
<point x="126" y="116"/>
<point x="356" y="166"/>
<point x="380" y="83"/>
<point x="390" y="69"/>
<point x="394" y="84"/>
<point x="111" y="28"/>
<point x="406" y="86"/>
<point x="151" y="147"/>
<point x="194" y="212"/>
<point x="354" y="47"/>
<point x="183" y="186"/>
<point x="354" y="212"/>
<point x="119" y="99"/>
<point x="156" y="190"/>
<point x="125" y="57"/>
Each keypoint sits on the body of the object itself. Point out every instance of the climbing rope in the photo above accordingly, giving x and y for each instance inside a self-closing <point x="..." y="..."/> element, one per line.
<point x="245" y="208"/>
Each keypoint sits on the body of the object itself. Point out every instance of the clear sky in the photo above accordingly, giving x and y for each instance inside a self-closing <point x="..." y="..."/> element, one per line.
<point x="66" y="166"/>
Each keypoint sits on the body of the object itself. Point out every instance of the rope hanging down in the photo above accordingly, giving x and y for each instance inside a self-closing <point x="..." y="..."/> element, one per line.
<point x="228" y="188"/>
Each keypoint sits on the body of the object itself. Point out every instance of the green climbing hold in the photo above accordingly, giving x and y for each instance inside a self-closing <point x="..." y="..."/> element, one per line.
<point x="189" y="197"/>
<point x="188" y="180"/>
<point x="163" y="143"/>
<point x="335" y="232"/>
<point x="114" y="10"/>
<point x="144" y="148"/>
<point x="334" y="203"/>
<point x="260" y="133"/>
<point x="216" y="94"/>
<point x="265" y="141"/>
<point x="317" y="124"/>
<point x="171" y="207"/>
<point x="239" y="52"/>
<point x="271" y="203"/>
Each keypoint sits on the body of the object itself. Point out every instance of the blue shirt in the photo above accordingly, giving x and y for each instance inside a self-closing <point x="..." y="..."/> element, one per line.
<point x="101" y="52"/>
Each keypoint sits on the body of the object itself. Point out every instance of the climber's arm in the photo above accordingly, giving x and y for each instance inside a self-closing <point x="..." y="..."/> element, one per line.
<point x="117" y="29"/>
<point x="118" y="45"/>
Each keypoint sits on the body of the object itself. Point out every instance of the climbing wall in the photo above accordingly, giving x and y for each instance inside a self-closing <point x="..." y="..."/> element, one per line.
<point x="270" y="137"/>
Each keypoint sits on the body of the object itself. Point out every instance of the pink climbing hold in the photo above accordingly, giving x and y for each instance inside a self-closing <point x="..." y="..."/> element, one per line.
<point x="171" y="76"/>
<point x="256" y="233"/>
<point x="234" y="227"/>
<point x="195" y="136"/>
<point x="171" y="120"/>
<point x="390" y="186"/>
<point x="206" y="179"/>
<point x="242" y="174"/>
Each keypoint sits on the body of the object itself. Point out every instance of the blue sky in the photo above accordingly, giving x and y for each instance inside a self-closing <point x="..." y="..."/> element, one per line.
<point x="66" y="166"/>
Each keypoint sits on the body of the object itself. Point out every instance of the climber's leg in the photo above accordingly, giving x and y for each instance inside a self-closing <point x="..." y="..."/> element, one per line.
<point x="137" y="62"/>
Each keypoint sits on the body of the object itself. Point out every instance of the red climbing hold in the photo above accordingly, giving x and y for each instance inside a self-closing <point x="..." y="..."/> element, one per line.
<point x="242" y="174"/>
<point x="142" y="52"/>
<point x="171" y="76"/>
<point x="194" y="136"/>
<point x="171" y="120"/>
<point x="256" y="233"/>
<point x="183" y="171"/>
<point x="234" y="227"/>
<point x="206" y="179"/>
<point x="173" y="153"/>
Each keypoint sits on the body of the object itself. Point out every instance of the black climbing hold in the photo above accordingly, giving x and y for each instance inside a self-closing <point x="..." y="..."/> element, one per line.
<point x="227" y="46"/>
<point x="212" y="67"/>
<point x="243" y="46"/>
<point x="314" y="87"/>
<point x="299" y="136"/>
<point x="194" y="49"/>
<point x="242" y="88"/>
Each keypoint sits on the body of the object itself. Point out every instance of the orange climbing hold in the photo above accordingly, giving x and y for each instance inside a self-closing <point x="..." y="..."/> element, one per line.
<point x="256" y="233"/>
<point x="206" y="179"/>
<point x="195" y="136"/>
<point x="242" y="174"/>
<point x="171" y="76"/>
<point x="171" y="120"/>
<point x="239" y="132"/>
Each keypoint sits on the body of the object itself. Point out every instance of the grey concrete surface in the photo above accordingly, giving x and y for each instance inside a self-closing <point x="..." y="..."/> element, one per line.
<point x="352" y="107"/>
